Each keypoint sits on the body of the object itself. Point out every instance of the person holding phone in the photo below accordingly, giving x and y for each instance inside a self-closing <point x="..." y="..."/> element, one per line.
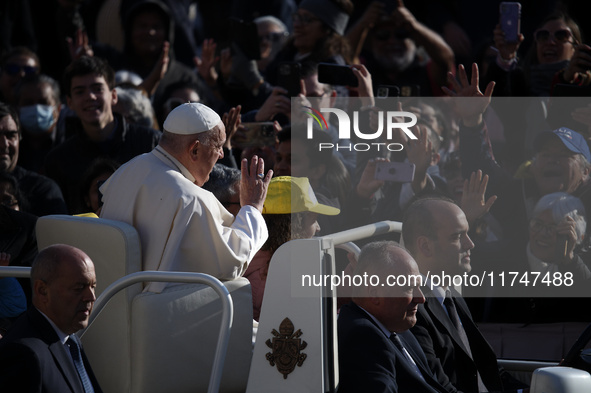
<point x="556" y="41"/>
<point x="318" y="35"/>
<point x="555" y="233"/>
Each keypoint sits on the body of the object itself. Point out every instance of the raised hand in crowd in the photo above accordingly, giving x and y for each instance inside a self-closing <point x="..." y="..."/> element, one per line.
<point x="579" y="65"/>
<point x="207" y="62"/>
<point x="150" y="83"/>
<point x="475" y="103"/>
<point x="420" y="152"/>
<point x="473" y="201"/>
<point x="301" y="101"/>
<point x="79" y="46"/>
<point x="276" y="103"/>
<point x="357" y="34"/>
<point x="438" y="50"/>
<point x="4" y="259"/>
<point x="368" y="184"/>
<point x="506" y="50"/>
<point x="231" y="122"/>
<point x="365" y="86"/>
<point x="566" y="230"/>
<point x="226" y="63"/>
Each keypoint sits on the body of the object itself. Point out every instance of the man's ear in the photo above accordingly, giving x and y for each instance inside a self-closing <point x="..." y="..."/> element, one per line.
<point x="194" y="149"/>
<point x="425" y="246"/>
<point x="40" y="290"/>
<point x="114" y="97"/>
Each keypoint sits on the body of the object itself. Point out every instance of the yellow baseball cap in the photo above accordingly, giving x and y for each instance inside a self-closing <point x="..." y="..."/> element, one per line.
<point x="288" y="194"/>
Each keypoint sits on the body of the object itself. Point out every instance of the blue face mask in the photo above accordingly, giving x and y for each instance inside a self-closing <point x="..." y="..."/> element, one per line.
<point x="37" y="119"/>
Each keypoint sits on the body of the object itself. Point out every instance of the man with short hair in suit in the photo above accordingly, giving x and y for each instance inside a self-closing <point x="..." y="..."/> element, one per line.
<point x="435" y="231"/>
<point x="377" y="353"/>
<point x="41" y="353"/>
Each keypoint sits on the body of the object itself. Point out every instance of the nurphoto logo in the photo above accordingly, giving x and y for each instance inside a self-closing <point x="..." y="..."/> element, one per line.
<point x="386" y="121"/>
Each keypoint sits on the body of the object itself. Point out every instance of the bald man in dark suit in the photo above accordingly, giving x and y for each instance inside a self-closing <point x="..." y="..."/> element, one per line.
<point x="377" y="353"/>
<point x="40" y="353"/>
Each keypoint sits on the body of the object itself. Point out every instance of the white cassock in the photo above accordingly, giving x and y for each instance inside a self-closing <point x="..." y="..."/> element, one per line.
<point x="182" y="227"/>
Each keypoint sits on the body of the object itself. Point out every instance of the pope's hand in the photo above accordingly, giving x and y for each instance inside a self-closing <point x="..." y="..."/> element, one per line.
<point x="254" y="183"/>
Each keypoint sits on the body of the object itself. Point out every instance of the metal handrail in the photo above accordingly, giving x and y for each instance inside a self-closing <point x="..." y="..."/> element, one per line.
<point x="15" y="271"/>
<point x="350" y="247"/>
<point x="147" y="276"/>
<point x="363" y="232"/>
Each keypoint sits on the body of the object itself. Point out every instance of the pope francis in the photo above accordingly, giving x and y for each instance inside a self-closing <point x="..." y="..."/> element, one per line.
<point x="183" y="227"/>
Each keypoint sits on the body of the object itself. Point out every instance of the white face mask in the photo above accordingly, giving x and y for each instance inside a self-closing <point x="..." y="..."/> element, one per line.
<point x="37" y="119"/>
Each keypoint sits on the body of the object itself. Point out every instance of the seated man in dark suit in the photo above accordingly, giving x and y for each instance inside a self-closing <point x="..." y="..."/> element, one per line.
<point x="41" y="353"/>
<point x="435" y="231"/>
<point x="377" y="353"/>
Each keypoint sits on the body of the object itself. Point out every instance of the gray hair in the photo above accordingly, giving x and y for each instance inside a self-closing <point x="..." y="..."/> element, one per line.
<point x="271" y="19"/>
<point x="37" y="80"/>
<point x="135" y="106"/>
<point x="222" y="181"/>
<point x="563" y="205"/>
<point x="583" y="163"/>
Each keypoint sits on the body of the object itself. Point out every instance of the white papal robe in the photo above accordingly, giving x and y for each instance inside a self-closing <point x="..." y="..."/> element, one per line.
<point x="182" y="227"/>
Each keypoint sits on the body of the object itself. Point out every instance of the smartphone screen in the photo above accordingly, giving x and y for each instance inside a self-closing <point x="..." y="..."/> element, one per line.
<point x="510" y="19"/>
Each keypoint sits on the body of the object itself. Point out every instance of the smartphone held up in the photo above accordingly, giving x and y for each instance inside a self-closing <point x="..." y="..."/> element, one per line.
<point x="510" y="20"/>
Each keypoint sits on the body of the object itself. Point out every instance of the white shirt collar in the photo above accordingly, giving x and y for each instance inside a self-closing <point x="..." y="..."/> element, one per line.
<point x="62" y="336"/>
<point x="172" y="162"/>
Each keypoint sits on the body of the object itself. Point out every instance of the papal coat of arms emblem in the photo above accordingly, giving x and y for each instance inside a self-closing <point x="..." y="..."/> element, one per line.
<point x="286" y="346"/>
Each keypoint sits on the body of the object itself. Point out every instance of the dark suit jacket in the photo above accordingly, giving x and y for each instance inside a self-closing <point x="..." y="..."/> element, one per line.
<point x="370" y="362"/>
<point x="443" y="347"/>
<point x="32" y="359"/>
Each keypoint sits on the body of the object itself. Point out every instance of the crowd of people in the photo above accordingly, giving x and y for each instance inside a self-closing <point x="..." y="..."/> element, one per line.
<point x="184" y="120"/>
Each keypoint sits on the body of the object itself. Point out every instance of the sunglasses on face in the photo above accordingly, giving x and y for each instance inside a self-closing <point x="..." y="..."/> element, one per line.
<point x="15" y="69"/>
<point x="273" y="37"/>
<point x="560" y="36"/>
<point x="384" y="35"/>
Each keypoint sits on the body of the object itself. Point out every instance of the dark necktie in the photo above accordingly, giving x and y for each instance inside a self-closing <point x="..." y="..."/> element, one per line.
<point x="79" y="364"/>
<point x="396" y="340"/>
<point x="455" y="320"/>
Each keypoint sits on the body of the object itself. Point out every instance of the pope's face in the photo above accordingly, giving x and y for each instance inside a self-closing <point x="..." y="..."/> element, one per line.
<point x="208" y="154"/>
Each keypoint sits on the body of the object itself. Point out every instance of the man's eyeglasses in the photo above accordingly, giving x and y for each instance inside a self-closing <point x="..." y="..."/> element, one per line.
<point x="560" y="36"/>
<point x="385" y="34"/>
<point x="303" y="19"/>
<point x="15" y="69"/>
<point x="537" y="226"/>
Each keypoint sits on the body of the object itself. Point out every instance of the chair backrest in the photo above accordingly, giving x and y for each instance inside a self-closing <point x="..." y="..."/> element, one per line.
<point x="296" y="348"/>
<point x="174" y="336"/>
<point x="115" y="249"/>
